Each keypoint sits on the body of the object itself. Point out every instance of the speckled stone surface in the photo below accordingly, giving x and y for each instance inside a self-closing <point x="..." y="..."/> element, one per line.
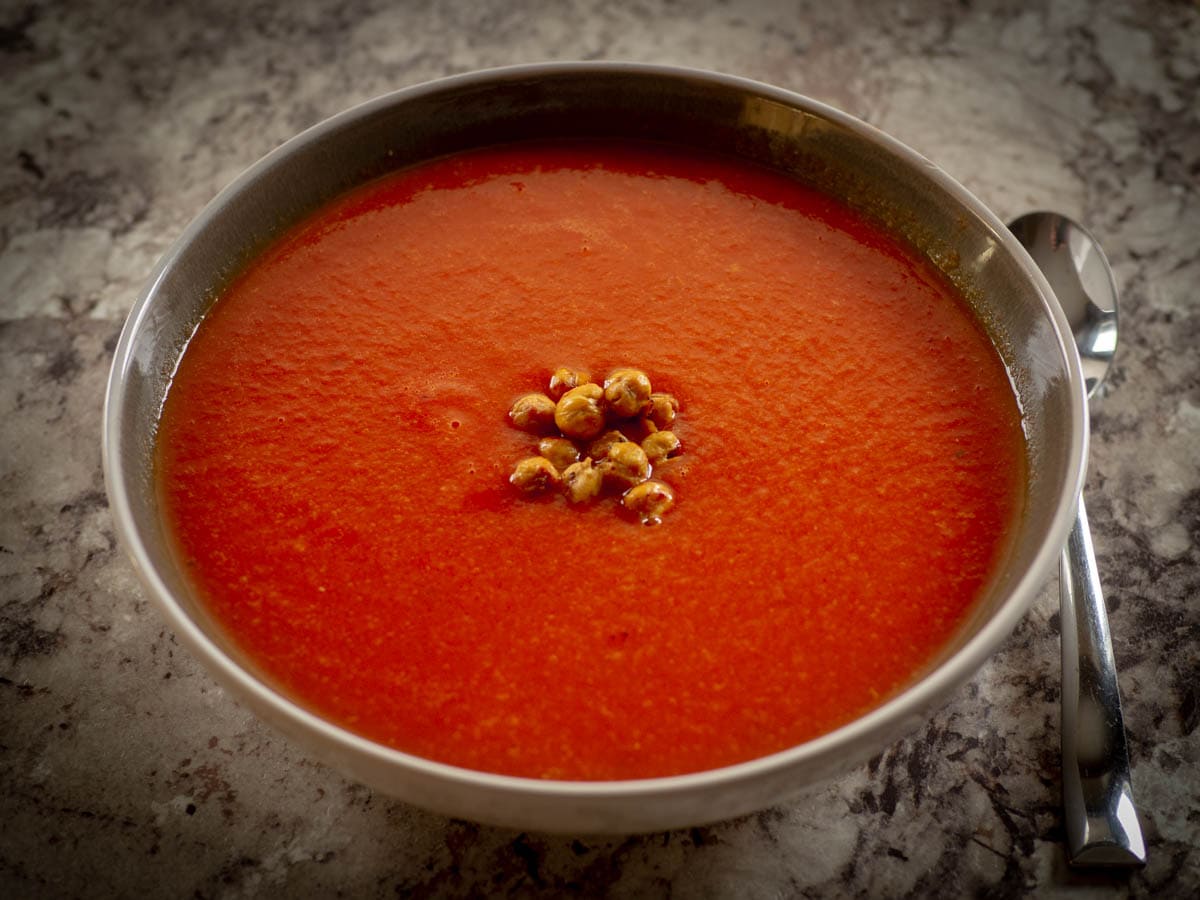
<point x="124" y="771"/>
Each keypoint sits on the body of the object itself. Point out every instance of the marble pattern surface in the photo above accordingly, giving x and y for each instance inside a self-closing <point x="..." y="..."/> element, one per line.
<point x="125" y="771"/>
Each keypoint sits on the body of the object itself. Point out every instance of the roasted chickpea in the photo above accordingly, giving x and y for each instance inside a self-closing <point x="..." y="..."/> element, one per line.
<point x="534" y="475"/>
<point x="661" y="411"/>
<point x="660" y="445"/>
<point x="598" y="449"/>
<point x="564" y="379"/>
<point x="579" y="414"/>
<point x="559" y="451"/>
<point x="627" y="391"/>
<point x="649" y="501"/>
<point x="626" y="463"/>
<point x="533" y="412"/>
<point x="582" y="481"/>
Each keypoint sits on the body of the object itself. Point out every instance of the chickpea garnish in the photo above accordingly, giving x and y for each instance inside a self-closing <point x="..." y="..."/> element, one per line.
<point x="559" y="451"/>
<point x="581" y="481"/>
<point x="579" y="414"/>
<point x="661" y="411"/>
<point x="586" y="462"/>
<point x="532" y="412"/>
<point x="627" y="392"/>
<point x="649" y="501"/>
<point x="598" y="449"/>
<point x="534" y="475"/>
<point x="564" y="379"/>
<point x="660" y="445"/>
<point x="626" y="463"/>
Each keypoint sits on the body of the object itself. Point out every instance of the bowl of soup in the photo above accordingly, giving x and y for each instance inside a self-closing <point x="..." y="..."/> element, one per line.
<point x="594" y="447"/>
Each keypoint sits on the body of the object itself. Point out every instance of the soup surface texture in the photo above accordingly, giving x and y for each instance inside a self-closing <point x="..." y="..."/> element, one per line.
<point x="333" y="457"/>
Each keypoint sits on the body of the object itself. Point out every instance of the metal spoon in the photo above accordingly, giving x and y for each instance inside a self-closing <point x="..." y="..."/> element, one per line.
<point x="1101" y="822"/>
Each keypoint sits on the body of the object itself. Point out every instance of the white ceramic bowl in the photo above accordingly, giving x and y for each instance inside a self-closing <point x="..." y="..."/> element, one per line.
<point x="874" y="173"/>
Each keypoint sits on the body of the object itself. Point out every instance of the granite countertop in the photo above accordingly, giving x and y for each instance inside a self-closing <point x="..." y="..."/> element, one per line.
<point x="125" y="771"/>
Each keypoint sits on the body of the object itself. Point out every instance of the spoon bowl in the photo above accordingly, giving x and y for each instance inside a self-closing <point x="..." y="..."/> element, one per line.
<point x="1075" y="265"/>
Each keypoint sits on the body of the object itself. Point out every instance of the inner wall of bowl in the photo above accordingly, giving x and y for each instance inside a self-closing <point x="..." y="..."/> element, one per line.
<point x="692" y="112"/>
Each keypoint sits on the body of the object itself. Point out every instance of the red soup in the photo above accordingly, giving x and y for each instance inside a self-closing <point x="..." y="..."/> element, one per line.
<point x="334" y="455"/>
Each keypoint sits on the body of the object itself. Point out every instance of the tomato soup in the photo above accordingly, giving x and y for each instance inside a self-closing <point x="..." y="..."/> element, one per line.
<point x="333" y="460"/>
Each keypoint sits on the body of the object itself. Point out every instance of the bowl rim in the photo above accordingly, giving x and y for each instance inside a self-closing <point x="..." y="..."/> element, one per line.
<point x="921" y="695"/>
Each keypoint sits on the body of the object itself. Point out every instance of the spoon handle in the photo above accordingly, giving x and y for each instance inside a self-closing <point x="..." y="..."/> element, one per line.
<point x="1102" y="825"/>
